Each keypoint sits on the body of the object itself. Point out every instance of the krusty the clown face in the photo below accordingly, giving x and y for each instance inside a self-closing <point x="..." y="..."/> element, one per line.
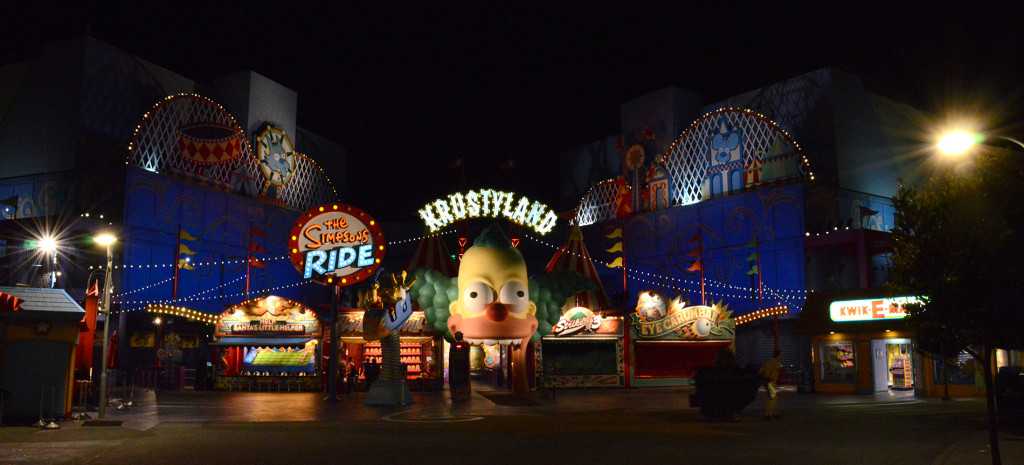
<point x="494" y="301"/>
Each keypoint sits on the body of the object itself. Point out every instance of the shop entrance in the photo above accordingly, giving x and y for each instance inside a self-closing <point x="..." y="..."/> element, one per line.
<point x="892" y="364"/>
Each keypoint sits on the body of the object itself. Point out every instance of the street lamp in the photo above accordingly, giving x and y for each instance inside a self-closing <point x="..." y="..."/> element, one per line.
<point x="106" y="240"/>
<point x="49" y="246"/>
<point x="958" y="142"/>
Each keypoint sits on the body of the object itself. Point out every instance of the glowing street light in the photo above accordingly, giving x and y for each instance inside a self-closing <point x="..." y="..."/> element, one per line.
<point x="958" y="142"/>
<point x="49" y="245"/>
<point x="105" y="240"/>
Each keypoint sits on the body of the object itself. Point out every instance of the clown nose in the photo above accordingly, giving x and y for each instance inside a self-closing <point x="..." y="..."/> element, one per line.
<point x="496" y="312"/>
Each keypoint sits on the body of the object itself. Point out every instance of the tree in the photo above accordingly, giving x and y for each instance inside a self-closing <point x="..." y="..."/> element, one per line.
<point x="958" y="245"/>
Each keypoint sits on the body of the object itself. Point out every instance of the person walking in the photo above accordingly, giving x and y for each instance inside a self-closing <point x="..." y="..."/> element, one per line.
<point x="770" y="373"/>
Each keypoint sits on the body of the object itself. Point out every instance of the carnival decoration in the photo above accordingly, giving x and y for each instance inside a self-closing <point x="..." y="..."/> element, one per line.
<point x="268" y="316"/>
<point x="725" y="151"/>
<point x="432" y="254"/>
<point x="386" y="310"/>
<point x="576" y="320"/>
<point x="492" y="301"/>
<point x="573" y="256"/>
<point x="336" y="244"/>
<point x="192" y="137"/>
<point x="275" y="156"/>
<point x="488" y="203"/>
<point x="657" y="318"/>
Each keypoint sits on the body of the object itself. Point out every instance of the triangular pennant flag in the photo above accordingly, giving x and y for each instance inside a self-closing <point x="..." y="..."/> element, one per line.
<point x="617" y="263"/>
<point x="256" y="232"/>
<point x="11" y="201"/>
<point x="753" y="270"/>
<point x="695" y="267"/>
<point x="256" y="248"/>
<point x="184" y="235"/>
<point x="617" y="232"/>
<point x="865" y="211"/>
<point x="695" y="237"/>
<point x="185" y="250"/>
<point x="695" y="252"/>
<point x="615" y="248"/>
<point x="257" y="263"/>
<point x="95" y="289"/>
<point x="185" y="264"/>
<point x="752" y="243"/>
<point x="752" y="257"/>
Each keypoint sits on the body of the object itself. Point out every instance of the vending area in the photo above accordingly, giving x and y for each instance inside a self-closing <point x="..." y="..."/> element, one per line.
<point x="421" y="351"/>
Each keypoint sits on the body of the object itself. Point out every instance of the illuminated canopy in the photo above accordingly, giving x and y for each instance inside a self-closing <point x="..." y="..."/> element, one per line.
<point x="488" y="203"/>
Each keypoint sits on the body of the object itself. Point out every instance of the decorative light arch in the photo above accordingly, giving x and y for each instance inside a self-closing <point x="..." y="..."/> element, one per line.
<point x="192" y="137"/>
<point x="762" y="154"/>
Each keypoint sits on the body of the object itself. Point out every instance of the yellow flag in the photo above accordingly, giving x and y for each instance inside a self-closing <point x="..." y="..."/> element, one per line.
<point x="186" y="236"/>
<point x="185" y="265"/>
<point x="185" y="250"/>
<point x="617" y="263"/>
<point x="616" y="233"/>
<point x="615" y="248"/>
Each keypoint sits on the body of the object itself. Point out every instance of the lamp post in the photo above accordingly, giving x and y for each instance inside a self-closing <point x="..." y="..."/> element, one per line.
<point x="958" y="142"/>
<point x="106" y="240"/>
<point x="49" y="245"/>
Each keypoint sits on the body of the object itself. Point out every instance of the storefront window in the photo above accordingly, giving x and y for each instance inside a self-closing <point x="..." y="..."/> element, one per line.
<point x="960" y="370"/>
<point x="838" y="364"/>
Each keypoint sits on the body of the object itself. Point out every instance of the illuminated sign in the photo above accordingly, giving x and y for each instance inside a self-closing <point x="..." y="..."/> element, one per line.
<point x="268" y="316"/>
<point x="576" y="320"/>
<point x="352" y="322"/>
<point x="488" y="203"/>
<point x="336" y="244"/>
<point x="655" y="317"/>
<point x="870" y="309"/>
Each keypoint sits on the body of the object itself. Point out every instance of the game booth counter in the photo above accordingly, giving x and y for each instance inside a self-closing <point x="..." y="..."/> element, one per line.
<point x="667" y="340"/>
<point x="268" y="343"/>
<point x="584" y="349"/>
<point x="421" y="350"/>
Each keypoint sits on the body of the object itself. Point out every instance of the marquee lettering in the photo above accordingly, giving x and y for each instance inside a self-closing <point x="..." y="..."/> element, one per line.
<point x="488" y="203"/>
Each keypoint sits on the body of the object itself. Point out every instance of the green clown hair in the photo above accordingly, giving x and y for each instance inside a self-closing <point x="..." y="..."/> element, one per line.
<point x="492" y="237"/>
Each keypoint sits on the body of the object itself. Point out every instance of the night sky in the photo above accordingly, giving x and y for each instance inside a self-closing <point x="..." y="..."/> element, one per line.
<point x="407" y="89"/>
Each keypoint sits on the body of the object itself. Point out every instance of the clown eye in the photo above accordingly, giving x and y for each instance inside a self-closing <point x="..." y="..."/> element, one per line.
<point x="476" y="296"/>
<point x="515" y="296"/>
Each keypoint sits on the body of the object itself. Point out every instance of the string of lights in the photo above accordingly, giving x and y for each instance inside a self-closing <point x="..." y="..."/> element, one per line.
<point x="684" y="281"/>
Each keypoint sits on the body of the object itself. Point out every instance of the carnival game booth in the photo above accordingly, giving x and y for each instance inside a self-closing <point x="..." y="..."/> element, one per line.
<point x="584" y="349"/>
<point x="421" y="349"/>
<point x="269" y="344"/>
<point x="668" y="341"/>
<point x="39" y="329"/>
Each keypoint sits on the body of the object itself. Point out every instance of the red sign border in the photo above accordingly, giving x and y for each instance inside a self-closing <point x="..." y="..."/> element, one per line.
<point x="298" y="258"/>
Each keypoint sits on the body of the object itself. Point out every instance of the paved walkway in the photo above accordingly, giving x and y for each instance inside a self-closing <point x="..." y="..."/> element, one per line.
<point x="190" y="407"/>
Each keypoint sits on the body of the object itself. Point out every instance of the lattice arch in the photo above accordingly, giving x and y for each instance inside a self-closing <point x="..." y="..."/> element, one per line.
<point x="192" y="137"/>
<point x="738" y="149"/>
<point x="689" y="159"/>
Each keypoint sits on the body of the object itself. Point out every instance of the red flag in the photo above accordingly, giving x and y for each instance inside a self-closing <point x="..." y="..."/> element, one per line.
<point x="865" y="211"/>
<point x="695" y="267"/>
<point x="257" y="263"/>
<point x="256" y="248"/>
<point x="256" y="231"/>
<point x="695" y="237"/>
<point x="95" y="289"/>
<point x="695" y="252"/>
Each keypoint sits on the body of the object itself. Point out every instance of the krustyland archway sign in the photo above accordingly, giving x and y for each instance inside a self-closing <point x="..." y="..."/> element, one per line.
<point x="488" y="203"/>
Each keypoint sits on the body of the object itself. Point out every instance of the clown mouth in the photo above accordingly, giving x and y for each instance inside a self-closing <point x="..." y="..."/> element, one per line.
<point x="491" y="342"/>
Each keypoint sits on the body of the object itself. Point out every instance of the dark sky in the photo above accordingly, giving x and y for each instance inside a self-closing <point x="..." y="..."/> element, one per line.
<point x="409" y="88"/>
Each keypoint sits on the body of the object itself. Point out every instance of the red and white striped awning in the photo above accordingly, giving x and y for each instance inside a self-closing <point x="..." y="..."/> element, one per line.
<point x="573" y="256"/>
<point x="432" y="254"/>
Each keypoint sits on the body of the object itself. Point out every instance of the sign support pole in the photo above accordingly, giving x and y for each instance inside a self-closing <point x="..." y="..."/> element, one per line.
<point x="332" y="360"/>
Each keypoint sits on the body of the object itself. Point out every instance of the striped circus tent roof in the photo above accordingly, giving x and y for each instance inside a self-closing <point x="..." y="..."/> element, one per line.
<point x="432" y="254"/>
<point x="573" y="256"/>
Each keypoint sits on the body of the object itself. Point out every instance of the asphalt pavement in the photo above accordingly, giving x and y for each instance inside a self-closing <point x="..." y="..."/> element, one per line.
<point x="198" y="427"/>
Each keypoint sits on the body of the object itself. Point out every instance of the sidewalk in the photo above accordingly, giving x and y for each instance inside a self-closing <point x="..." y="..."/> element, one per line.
<point x="202" y="407"/>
